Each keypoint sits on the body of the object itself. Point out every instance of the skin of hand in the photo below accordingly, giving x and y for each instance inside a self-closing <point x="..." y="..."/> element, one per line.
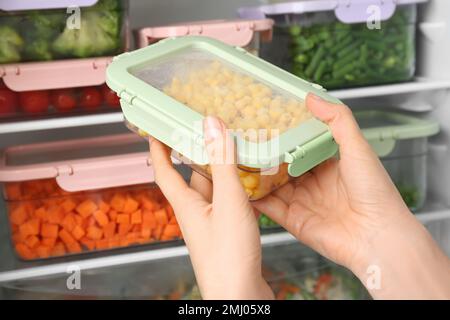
<point x="218" y="223"/>
<point x="349" y="211"/>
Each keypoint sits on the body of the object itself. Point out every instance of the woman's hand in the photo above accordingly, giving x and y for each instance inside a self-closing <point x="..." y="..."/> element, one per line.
<point x="350" y="211"/>
<point x="218" y="223"/>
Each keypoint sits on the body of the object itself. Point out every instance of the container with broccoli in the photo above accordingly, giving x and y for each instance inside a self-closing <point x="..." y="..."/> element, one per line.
<point x="337" y="47"/>
<point x="43" y="35"/>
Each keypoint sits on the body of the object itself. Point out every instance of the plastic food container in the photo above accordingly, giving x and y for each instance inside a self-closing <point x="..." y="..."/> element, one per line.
<point x="341" y="44"/>
<point x="401" y="141"/>
<point x="247" y="34"/>
<point x="166" y="89"/>
<point x="83" y="195"/>
<point x="52" y="30"/>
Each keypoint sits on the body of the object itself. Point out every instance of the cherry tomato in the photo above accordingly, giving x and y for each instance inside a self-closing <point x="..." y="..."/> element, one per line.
<point x="64" y="99"/>
<point x="34" y="101"/>
<point x="90" y="98"/>
<point x="9" y="101"/>
<point x="110" y="97"/>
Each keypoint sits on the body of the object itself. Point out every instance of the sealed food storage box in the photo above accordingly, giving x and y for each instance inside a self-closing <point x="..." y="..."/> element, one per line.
<point x="83" y="195"/>
<point x="167" y="89"/>
<point x="401" y="141"/>
<point x="341" y="44"/>
<point x="52" y="30"/>
<point x="248" y="34"/>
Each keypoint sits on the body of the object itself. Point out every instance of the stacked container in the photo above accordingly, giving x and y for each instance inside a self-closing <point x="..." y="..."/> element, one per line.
<point x="401" y="141"/>
<point x="95" y="194"/>
<point x="341" y="44"/>
<point x="64" y="45"/>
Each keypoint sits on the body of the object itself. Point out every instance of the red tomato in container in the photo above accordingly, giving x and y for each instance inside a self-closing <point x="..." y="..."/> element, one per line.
<point x="110" y="97"/>
<point x="90" y="98"/>
<point x="64" y="99"/>
<point x="34" y="101"/>
<point x="9" y="101"/>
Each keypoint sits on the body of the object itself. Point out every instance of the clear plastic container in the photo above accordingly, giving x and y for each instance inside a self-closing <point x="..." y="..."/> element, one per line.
<point x="248" y="34"/>
<point x="80" y="29"/>
<point x="83" y="195"/>
<point x="339" y="46"/>
<point x="401" y="141"/>
<point x="176" y="82"/>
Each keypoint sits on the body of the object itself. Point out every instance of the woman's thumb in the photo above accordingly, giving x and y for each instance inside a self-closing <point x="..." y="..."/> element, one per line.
<point x="222" y="158"/>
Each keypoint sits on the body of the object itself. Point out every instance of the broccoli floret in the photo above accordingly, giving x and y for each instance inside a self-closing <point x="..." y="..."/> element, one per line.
<point x="99" y="34"/>
<point x="10" y="45"/>
<point x="38" y="49"/>
<point x="43" y="24"/>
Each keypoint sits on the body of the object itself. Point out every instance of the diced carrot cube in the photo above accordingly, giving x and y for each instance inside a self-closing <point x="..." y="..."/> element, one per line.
<point x="13" y="191"/>
<point x="109" y="230"/>
<point x="118" y="202"/>
<point x="19" y="215"/>
<point x="103" y="206"/>
<point x="161" y="217"/>
<point x="18" y="237"/>
<point x="123" y="218"/>
<point x="173" y="220"/>
<point x="54" y="215"/>
<point x="66" y="237"/>
<point x="88" y="243"/>
<point x="30" y="228"/>
<point x="149" y="204"/>
<point x="146" y="231"/>
<point x="136" y="217"/>
<point x="137" y="228"/>
<point x="86" y="208"/>
<point x="124" y="228"/>
<point x="157" y="232"/>
<point x="49" y="230"/>
<point x="78" y="220"/>
<point x="68" y="205"/>
<point x="101" y="244"/>
<point x="74" y="247"/>
<point x="58" y="250"/>
<point x="48" y="242"/>
<point x="41" y="213"/>
<point x="43" y="251"/>
<point x="78" y="232"/>
<point x="169" y="211"/>
<point x="24" y="252"/>
<point x="69" y="222"/>
<point x="94" y="233"/>
<point x="171" y="231"/>
<point x="32" y="241"/>
<point x="101" y="218"/>
<point x="113" y="243"/>
<point x="149" y="219"/>
<point x="130" y="205"/>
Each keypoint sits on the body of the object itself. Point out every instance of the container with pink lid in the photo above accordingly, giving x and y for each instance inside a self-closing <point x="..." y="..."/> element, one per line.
<point x="248" y="34"/>
<point x="83" y="195"/>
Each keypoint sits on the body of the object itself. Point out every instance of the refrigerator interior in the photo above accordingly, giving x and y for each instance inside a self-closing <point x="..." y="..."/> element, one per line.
<point x="156" y="272"/>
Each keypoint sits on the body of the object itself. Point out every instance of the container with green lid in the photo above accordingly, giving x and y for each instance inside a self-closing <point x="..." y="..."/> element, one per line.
<point x="166" y="89"/>
<point x="401" y="141"/>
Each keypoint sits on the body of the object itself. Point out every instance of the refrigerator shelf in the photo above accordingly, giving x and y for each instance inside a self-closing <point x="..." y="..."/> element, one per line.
<point x="11" y="269"/>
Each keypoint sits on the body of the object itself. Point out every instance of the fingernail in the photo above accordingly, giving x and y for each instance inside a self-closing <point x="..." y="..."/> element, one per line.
<point x="212" y="128"/>
<point x="313" y="96"/>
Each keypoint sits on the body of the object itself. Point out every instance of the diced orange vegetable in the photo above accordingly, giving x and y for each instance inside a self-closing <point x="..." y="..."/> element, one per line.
<point x="49" y="230"/>
<point x="41" y="213"/>
<point x="32" y="241"/>
<point x="169" y="211"/>
<point x="88" y="243"/>
<point x="17" y="237"/>
<point x="109" y="230"/>
<point x="68" y="205"/>
<point x="136" y="217"/>
<point x="43" y="251"/>
<point x="59" y="249"/>
<point x="118" y="202"/>
<point x="146" y="231"/>
<point x="123" y="218"/>
<point x="157" y="232"/>
<point x="173" y="220"/>
<point x="19" y="215"/>
<point x="103" y="206"/>
<point x="48" y="242"/>
<point x="149" y="219"/>
<point x="101" y="218"/>
<point x="86" y="208"/>
<point x="54" y="215"/>
<point x="112" y="215"/>
<point x="124" y="228"/>
<point x="78" y="232"/>
<point x="102" y="244"/>
<point x="30" y="228"/>
<point x="130" y="205"/>
<point x="149" y="204"/>
<point x="113" y="243"/>
<point x="24" y="252"/>
<point x="13" y="191"/>
<point x="66" y="237"/>
<point x="79" y="221"/>
<point x="74" y="247"/>
<point x="69" y="222"/>
<point x="171" y="231"/>
<point x="94" y="233"/>
<point x="161" y="217"/>
<point x="137" y="228"/>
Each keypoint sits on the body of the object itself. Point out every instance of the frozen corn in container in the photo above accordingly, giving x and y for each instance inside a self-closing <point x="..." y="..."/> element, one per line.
<point x="166" y="90"/>
<point x="401" y="141"/>
<point x="248" y="34"/>
<point x="83" y="195"/>
<point x="341" y="44"/>
<point x="52" y="30"/>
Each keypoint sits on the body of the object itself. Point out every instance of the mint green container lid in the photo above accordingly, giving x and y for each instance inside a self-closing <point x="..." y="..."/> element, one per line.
<point x="383" y="128"/>
<point x="139" y="77"/>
